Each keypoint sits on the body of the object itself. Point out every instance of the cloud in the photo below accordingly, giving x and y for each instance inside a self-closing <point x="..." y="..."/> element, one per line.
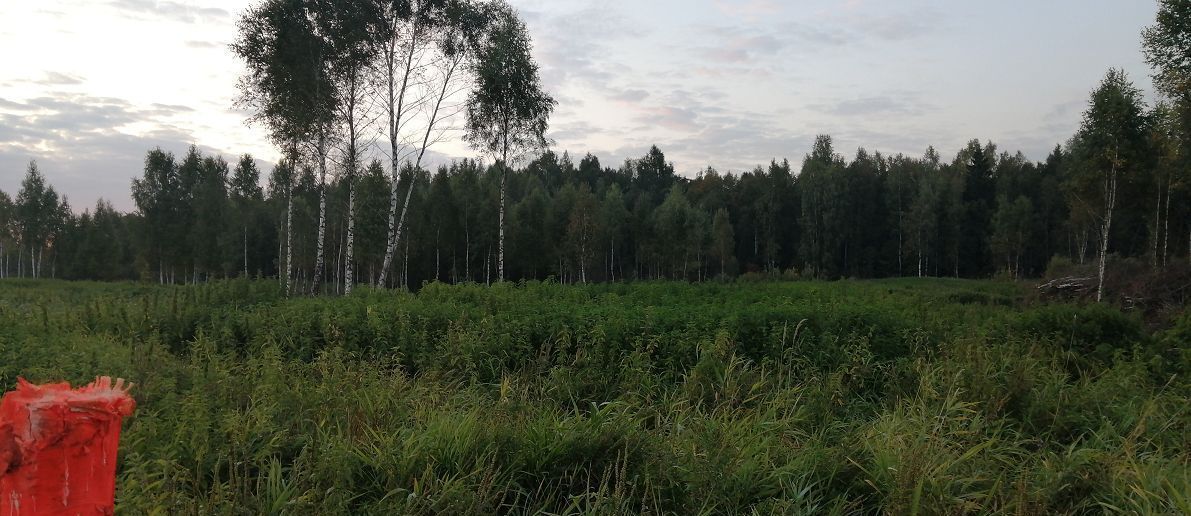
<point x="907" y="139"/>
<point x="1065" y="112"/>
<point x="908" y="104"/>
<point x="736" y="48"/>
<point x="696" y="131"/>
<point x="630" y="96"/>
<point x="572" y="46"/>
<point x="167" y="9"/>
<point x="740" y="141"/>
<point x="751" y="10"/>
<point x="58" y="79"/>
<point x="13" y="106"/>
<point x="1054" y="127"/>
<point x="82" y="144"/>
<point x="168" y="109"/>
<point x="574" y="131"/>
<point x="750" y="42"/>
<point x="900" y="27"/>
<point x="674" y="118"/>
<point x="204" y="44"/>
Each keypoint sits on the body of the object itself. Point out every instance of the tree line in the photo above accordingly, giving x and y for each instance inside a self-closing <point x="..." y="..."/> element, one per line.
<point x="327" y="78"/>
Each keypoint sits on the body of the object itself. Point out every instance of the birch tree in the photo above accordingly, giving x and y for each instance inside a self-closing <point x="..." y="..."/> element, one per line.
<point x="581" y="228"/>
<point x="286" y="85"/>
<point x="245" y="192"/>
<point x="508" y="113"/>
<point x="1167" y="48"/>
<point x="613" y="221"/>
<point x="425" y="47"/>
<point x="818" y="169"/>
<point x="39" y="215"/>
<point x="281" y="192"/>
<point x="350" y="29"/>
<point x="1111" y="143"/>
<point x="208" y="221"/>
<point x="1011" y="231"/>
<point x="1165" y="144"/>
<point x="6" y="231"/>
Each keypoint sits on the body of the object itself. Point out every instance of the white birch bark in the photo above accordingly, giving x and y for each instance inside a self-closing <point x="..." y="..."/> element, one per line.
<point x="349" y="266"/>
<point x="280" y="258"/>
<point x="504" y="176"/>
<point x="1166" y="223"/>
<point x="322" y="214"/>
<point x="500" y="246"/>
<point x="449" y="69"/>
<point x="349" y="278"/>
<point x="395" y="108"/>
<point x="289" y="239"/>
<point x="1110" y="200"/>
<point x="612" y="269"/>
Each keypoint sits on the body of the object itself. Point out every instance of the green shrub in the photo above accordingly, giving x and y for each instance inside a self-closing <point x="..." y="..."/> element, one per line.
<point x="896" y="396"/>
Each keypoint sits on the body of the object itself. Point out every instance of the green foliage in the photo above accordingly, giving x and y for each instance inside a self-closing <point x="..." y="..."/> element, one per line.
<point x="902" y="396"/>
<point x="508" y="112"/>
<point x="1167" y="45"/>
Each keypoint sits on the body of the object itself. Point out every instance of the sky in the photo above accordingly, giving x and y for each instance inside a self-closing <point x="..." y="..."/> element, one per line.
<point x="87" y="87"/>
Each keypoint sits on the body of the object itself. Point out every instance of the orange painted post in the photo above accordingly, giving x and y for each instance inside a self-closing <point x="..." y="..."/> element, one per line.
<point x="58" y="447"/>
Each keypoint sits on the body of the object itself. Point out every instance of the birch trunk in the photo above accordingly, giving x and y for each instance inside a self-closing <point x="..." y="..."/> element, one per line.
<point x="583" y="260"/>
<point x="1110" y="194"/>
<point x="280" y="258"/>
<point x="349" y="276"/>
<point x="289" y="240"/>
<point x="612" y="265"/>
<point x="322" y="215"/>
<point x="500" y="246"/>
<point x="1166" y="223"/>
<point x="1083" y="245"/>
<point x="430" y="127"/>
<point x="396" y="106"/>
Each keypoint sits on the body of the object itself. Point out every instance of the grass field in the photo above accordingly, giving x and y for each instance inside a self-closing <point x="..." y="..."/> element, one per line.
<point x="896" y="397"/>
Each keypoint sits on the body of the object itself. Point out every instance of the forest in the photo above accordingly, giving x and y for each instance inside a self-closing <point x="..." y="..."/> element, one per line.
<point x="353" y="203"/>
<point x="359" y="331"/>
<point x="900" y="396"/>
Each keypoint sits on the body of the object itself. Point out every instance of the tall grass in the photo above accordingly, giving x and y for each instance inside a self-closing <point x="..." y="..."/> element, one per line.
<point x="894" y="397"/>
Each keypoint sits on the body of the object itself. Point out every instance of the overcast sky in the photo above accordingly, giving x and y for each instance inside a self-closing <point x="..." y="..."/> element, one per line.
<point x="88" y="86"/>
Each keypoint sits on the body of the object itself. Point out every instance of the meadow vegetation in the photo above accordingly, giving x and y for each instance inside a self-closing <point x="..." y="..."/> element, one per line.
<point x="924" y="396"/>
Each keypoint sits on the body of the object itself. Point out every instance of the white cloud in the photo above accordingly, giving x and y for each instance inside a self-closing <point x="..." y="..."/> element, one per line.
<point x="88" y="87"/>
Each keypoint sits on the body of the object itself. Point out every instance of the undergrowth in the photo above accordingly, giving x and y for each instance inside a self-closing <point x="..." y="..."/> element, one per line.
<point x="893" y="397"/>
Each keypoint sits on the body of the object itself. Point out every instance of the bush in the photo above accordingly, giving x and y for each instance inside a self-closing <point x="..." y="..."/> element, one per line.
<point x="895" y="396"/>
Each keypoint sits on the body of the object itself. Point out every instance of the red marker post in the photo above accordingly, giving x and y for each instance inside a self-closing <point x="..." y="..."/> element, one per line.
<point x="58" y="447"/>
